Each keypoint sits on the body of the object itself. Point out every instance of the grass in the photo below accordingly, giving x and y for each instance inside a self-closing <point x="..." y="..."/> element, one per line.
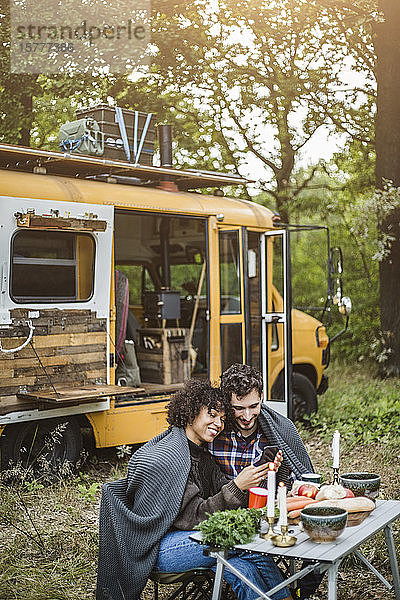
<point x="366" y="411"/>
<point x="48" y="536"/>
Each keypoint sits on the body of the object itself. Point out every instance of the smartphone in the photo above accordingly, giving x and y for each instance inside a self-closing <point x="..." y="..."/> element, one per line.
<point x="268" y="455"/>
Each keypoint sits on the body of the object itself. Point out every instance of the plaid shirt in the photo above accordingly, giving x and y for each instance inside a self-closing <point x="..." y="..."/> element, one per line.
<point x="233" y="452"/>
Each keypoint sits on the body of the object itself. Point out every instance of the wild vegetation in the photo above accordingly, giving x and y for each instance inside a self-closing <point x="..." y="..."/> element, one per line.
<point x="48" y="535"/>
<point x="247" y="86"/>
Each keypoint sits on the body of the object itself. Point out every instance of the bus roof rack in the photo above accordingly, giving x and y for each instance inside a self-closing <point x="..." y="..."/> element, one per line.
<point x="21" y="158"/>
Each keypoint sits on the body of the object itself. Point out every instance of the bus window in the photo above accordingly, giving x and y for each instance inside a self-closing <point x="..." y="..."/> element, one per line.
<point x="148" y="284"/>
<point x="229" y="272"/>
<point x="139" y="281"/>
<point x="254" y="289"/>
<point x="185" y="279"/>
<point x="254" y="298"/>
<point x="50" y="265"/>
<point x="231" y="344"/>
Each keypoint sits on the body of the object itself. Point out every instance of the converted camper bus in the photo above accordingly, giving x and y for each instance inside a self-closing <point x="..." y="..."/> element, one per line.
<point x="118" y="284"/>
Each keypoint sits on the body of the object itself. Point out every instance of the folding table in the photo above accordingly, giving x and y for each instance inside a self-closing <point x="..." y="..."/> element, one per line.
<point x="321" y="557"/>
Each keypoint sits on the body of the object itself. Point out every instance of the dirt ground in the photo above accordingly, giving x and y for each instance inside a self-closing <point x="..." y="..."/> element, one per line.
<point x="49" y="536"/>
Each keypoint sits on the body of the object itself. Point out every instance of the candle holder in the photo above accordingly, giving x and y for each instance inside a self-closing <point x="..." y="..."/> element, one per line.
<point x="335" y="475"/>
<point x="270" y="533"/>
<point x="283" y="540"/>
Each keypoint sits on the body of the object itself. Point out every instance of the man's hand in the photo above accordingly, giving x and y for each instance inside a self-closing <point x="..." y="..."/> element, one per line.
<point x="251" y="476"/>
<point x="278" y="459"/>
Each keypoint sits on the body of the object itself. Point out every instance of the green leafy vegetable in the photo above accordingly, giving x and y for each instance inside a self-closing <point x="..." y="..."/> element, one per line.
<point x="225" y="528"/>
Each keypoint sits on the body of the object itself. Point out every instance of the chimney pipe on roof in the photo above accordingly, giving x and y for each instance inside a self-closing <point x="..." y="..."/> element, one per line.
<point x="165" y="141"/>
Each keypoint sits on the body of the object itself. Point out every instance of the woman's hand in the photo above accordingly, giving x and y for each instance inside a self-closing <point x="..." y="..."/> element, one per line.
<point x="251" y="476"/>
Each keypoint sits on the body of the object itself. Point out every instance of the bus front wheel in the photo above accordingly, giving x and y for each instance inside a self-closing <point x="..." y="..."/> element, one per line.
<point x="44" y="450"/>
<point x="304" y="395"/>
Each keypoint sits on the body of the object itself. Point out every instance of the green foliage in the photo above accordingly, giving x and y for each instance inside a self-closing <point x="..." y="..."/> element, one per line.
<point x="225" y="528"/>
<point x="243" y="82"/>
<point x="364" y="410"/>
<point x="48" y="541"/>
<point x="88" y="492"/>
<point x="86" y="487"/>
<point x="49" y="113"/>
<point x="264" y="77"/>
<point x="238" y="80"/>
<point x="134" y="274"/>
<point x="184" y="279"/>
<point x="49" y="537"/>
<point x="373" y="210"/>
<point x="33" y="486"/>
<point x="340" y="198"/>
<point x="309" y="269"/>
<point x="347" y="210"/>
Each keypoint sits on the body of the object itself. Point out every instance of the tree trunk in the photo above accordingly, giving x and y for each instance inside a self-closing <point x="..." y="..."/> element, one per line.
<point x="282" y="203"/>
<point x="283" y="198"/>
<point x="25" y="132"/>
<point x="387" y="48"/>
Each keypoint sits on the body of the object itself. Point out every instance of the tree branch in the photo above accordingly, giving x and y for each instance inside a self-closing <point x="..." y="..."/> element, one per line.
<point x="306" y="181"/>
<point x="339" y="124"/>
<point x="251" y="147"/>
<point x="271" y="192"/>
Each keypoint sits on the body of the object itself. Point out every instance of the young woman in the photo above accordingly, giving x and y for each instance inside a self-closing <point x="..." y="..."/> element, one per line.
<point x="171" y="486"/>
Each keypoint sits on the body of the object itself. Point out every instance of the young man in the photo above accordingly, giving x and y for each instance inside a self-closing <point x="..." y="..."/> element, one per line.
<point x="260" y="433"/>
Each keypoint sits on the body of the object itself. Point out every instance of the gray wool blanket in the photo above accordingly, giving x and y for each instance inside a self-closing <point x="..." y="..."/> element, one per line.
<point x="136" y="513"/>
<point x="281" y="432"/>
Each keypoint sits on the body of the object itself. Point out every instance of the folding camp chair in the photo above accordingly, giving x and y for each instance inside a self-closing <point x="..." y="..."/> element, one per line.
<point x="192" y="585"/>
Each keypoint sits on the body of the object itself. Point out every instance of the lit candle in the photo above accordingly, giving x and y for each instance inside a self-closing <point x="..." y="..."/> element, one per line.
<point x="271" y="491"/>
<point x="336" y="449"/>
<point x="282" y="505"/>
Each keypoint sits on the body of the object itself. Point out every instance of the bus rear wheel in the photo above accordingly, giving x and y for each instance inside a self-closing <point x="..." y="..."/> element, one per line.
<point x="44" y="450"/>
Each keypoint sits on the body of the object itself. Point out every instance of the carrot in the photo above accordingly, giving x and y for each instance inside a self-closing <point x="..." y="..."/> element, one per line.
<point x="290" y="499"/>
<point x="293" y="514"/>
<point x="299" y="502"/>
<point x="296" y="499"/>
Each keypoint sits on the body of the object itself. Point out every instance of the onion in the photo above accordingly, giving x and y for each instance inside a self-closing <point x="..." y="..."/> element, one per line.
<point x="331" y="492"/>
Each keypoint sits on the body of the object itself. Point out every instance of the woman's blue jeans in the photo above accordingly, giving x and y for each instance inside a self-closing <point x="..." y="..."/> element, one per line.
<point x="178" y="553"/>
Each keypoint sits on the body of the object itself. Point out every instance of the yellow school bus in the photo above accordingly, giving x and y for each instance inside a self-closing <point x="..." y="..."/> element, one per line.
<point x="118" y="284"/>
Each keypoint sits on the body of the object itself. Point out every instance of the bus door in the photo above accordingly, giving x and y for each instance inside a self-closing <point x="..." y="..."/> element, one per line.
<point x="227" y="330"/>
<point x="276" y="325"/>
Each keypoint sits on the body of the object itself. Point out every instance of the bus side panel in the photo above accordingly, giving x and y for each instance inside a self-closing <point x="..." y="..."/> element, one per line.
<point x="128" y="425"/>
<point x="71" y="346"/>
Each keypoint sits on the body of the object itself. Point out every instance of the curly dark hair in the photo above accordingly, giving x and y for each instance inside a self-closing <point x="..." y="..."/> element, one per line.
<point x="186" y="404"/>
<point x="241" y="380"/>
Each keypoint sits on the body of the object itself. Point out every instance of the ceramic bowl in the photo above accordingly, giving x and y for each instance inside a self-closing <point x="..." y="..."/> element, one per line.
<point x="311" y="478"/>
<point x="323" y="523"/>
<point x="361" y="484"/>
